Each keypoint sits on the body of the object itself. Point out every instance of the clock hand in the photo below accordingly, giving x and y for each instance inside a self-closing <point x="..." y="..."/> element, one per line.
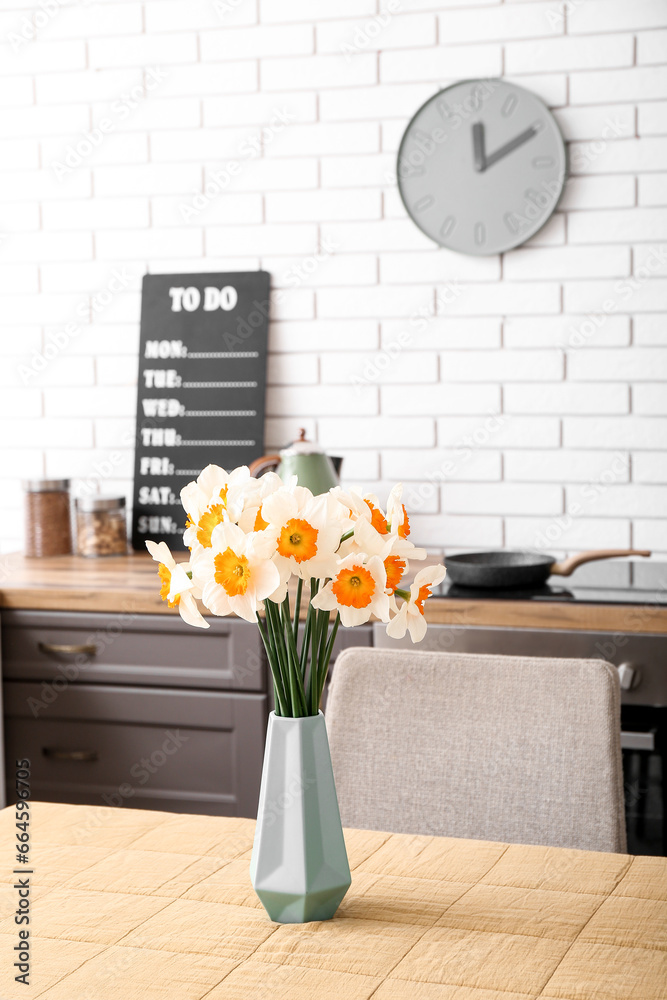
<point x="478" y="146"/>
<point x="510" y="146"/>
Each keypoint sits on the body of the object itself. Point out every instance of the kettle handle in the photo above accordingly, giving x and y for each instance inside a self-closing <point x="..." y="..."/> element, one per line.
<point x="264" y="464"/>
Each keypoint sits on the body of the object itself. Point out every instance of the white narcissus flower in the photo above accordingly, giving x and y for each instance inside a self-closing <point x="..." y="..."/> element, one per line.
<point x="255" y="494"/>
<point x="215" y="497"/>
<point x="236" y="573"/>
<point x="366" y="507"/>
<point x="397" y="515"/>
<point x="394" y="551"/>
<point x="177" y="588"/>
<point x="359" y="509"/>
<point x="410" y="617"/>
<point x="357" y="590"/>
<point x="306" y="532"/>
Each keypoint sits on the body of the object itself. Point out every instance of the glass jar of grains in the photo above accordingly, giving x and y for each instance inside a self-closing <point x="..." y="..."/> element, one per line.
<point x="48" y="527"/>
<point x="101" y="526"/>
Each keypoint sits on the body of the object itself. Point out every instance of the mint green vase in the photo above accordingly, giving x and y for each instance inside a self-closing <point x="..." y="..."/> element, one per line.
<point x="299" y="867"/>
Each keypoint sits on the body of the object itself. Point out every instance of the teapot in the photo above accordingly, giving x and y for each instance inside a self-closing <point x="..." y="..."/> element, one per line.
<point x="305" y="460"/>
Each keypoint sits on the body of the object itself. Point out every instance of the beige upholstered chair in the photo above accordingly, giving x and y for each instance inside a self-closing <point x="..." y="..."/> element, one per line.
<point x="492" y="747"/>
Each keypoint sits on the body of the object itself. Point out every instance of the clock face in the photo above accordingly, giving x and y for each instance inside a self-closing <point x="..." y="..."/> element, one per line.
<point x="481" y="166"/>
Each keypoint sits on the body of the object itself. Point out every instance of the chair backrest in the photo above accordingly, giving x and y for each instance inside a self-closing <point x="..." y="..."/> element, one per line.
<point x="506" y="748"/>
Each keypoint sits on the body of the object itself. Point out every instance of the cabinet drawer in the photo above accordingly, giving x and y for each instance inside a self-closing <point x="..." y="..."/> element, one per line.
<point x="132" y="649"/>
<point x="186" y="751"/>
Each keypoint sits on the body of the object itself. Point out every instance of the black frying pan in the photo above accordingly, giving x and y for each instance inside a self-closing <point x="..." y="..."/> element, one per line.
<point x="520" y="569"/>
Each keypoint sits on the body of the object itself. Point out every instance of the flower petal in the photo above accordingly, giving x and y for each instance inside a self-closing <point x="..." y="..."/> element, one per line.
<point x="228" y="536"/>
<point x="215" y="599"/>
<point x="265" y="578"/>
<point x="370" y="540"/>
<point x="190" y="613"/>
<point x="416" y="626"/>
<point x="325" y="599"/>
<point x="245" y="606"/>
<point x="398" y="625"/>
<point x="280" y="593"/>
<point x="279" y="507"/>
<point x="354" y="616"/>
<point x="160" y="553"/>
<point x="180" y="581"/>
<point x="211" y="480"/>
<point x="430" y="576"/>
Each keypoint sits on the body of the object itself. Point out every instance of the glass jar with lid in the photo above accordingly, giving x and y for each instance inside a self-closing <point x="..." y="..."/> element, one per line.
<point x="101" y="526"/>
<point x="48" y="519"/>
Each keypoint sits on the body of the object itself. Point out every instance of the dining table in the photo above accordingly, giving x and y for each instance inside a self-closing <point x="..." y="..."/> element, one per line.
<point x="128" y="903"/>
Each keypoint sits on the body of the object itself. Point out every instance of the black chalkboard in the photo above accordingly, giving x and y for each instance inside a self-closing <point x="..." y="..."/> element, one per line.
<point x="201" y="388"/>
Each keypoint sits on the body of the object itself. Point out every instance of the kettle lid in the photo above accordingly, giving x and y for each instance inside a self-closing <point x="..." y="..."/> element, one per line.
<point x="301" y="446"/>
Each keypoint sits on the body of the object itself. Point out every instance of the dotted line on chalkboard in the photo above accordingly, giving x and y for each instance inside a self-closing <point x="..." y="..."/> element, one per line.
<point x="217" y="444"/>
<point x="221" y="413"/>
<point x="219" y="385"/>
<point x="205" y="355"/>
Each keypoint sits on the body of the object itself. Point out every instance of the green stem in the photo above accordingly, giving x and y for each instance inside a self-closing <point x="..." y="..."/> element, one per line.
<point x="322" y="662"/>
<point x="327" y="655"/>
<point x="278" y="690"/>
<point x="405" y="594"/>
<point x="297" y="609"/>
<point x="313" y="677"/>
<point x="320" y="624"/>
<point x="276" y="663"/>
<point x="296" y="682"/>
<point x="278" y="643"/>
<point x="305" y="645"/>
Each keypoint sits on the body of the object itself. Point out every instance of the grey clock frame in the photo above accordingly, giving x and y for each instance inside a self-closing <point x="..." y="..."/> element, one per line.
<point x="522" y="236"/>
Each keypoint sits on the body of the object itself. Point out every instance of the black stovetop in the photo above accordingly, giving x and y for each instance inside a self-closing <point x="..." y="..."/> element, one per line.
<point x="609" y="582"/>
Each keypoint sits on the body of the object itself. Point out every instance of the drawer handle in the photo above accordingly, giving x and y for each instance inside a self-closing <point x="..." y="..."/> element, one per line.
<point x="89" y="648"/>
<point x="85" y="755"/>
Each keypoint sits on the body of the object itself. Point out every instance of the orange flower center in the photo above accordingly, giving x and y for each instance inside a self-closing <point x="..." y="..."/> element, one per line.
<point x="378" y="520"/>
<point x="165" y="577"/>
<point x="232" y="572"/>
<point x="298" y="539"/>
<point x="404" y="528"/>
<point x="207" y="522"/>
<point x="395" y="568"/>
<point x="424" y="593"/>
<point x="260" y="523"/>
<point x="354" y="587"/>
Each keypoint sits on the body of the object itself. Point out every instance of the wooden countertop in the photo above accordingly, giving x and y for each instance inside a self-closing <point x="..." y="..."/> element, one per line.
<point x="130" y="583"/>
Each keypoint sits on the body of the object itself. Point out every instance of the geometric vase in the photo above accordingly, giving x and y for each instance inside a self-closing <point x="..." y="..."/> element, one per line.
<point x="299" y="867"/>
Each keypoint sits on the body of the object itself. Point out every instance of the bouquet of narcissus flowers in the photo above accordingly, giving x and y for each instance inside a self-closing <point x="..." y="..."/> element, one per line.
<point x="250" y="538"/>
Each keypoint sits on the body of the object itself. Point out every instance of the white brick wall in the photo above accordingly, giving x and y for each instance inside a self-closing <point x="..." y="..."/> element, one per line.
<point x="499" y="405"/>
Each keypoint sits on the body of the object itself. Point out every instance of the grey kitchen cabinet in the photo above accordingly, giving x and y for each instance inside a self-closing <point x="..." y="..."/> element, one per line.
<point x="139" y="710"/>
<point x="136" y="710"/>
<point x="132" y="649"/>
<point x="171" y="749"/>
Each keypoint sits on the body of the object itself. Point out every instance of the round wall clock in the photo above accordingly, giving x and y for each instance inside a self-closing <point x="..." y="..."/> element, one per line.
<point x="481" y="166"/>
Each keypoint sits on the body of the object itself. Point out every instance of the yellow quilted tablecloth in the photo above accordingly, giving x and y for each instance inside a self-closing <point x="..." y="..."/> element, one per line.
<point x="132" y="904"/>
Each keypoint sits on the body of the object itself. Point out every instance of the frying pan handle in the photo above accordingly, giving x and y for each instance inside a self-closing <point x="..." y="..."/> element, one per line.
<point x="568" y="566"/>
